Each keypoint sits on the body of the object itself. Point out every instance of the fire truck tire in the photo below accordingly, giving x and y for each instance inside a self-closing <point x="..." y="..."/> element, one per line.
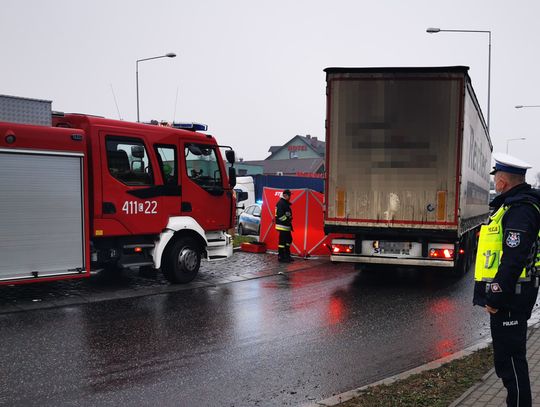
<point x="182" y="261"/>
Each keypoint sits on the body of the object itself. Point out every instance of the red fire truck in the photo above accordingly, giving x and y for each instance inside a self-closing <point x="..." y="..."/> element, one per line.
<point x="81" y="193"/>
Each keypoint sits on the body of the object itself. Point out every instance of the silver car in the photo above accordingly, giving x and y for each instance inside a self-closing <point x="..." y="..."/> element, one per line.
<point x="249" y="222"/>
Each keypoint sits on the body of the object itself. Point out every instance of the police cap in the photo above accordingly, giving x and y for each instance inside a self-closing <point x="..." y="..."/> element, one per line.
<point x="507" y="163"/>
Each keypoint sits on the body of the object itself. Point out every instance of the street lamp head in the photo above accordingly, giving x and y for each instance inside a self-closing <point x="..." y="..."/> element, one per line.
<point x="168" y="55"/>
<point x="434" y="30"/>
<point x="524" y="106"/>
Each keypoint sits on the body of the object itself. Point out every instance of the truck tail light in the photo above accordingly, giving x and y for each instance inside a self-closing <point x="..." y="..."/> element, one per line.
<point x="342" y="248"/>
<point x="444" y="254"/>
<point x="137" y="249"/>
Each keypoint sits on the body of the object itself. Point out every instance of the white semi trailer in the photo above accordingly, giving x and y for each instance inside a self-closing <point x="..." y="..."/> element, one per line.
<point x="408" y="160"/>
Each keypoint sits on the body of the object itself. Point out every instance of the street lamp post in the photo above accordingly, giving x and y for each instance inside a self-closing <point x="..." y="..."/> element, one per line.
<point x="513" y="139"/>
<point x="432" y="30"/>
<point x="169" y="55"/>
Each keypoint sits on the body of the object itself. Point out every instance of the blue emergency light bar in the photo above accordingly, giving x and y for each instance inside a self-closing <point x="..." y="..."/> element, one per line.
<point x="184" y="126"/>
<point x="191" y="126"/>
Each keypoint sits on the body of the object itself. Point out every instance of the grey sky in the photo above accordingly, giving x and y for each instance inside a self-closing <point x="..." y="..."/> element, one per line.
<point x="252" y="70"/>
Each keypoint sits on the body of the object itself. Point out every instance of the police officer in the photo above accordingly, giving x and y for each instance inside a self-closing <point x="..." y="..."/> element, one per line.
<point x="505" y="273"/>
<point x="284" y="227"/>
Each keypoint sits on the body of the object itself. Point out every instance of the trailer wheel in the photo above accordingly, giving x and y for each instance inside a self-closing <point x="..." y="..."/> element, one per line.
<point x="461" y="267"/>
<point x="182" y="261"/>
<point x="465" y="262"/>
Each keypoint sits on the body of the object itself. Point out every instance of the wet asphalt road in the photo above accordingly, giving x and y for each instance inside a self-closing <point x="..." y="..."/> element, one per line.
<point x="268" y="341"/>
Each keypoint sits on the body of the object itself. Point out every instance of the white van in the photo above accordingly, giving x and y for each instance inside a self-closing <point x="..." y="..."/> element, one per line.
<point x="244" y="184"/>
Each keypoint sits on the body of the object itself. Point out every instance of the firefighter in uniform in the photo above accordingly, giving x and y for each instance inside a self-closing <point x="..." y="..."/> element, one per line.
<point x="284" y="227"/>
<point x="506" y="279"/>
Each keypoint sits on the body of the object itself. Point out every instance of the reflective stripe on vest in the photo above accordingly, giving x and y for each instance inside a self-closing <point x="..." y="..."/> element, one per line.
<point x="490" y="249"/>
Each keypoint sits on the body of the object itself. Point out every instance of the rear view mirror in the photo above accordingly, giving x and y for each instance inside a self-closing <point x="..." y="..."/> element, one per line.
<point x="206" y="151"/>
<point x="137" y="166"/>
<point x="241" y="196"/>
<point x="195" y="150"/>
<point x="231" y="158"/>
<point x="232" y="177"/>
<point x="137" y="151"/>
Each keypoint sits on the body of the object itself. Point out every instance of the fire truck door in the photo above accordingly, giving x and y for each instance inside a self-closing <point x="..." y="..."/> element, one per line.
<point x="205" y="197"/>
<point x="136" y="194"/>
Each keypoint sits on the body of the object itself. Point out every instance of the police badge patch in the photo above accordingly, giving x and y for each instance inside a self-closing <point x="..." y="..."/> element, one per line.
<point x="495" y="288"/>
<point x="513" y="239"/>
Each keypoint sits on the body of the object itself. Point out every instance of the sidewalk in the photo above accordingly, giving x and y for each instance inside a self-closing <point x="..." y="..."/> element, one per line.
<point x="489" y="392"/>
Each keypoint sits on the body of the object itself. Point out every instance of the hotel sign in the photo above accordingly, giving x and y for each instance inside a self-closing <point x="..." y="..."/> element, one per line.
<point x="297" y="148"/>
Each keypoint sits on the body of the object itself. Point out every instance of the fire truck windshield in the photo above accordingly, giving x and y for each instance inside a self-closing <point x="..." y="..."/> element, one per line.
<point x="202" y="165"/>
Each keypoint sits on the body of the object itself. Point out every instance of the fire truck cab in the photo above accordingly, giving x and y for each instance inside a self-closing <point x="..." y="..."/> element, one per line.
<point x="152" y="195"/>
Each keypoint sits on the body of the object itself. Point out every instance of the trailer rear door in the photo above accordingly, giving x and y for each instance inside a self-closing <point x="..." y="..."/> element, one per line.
<point x="42" y="233"/>
<point x="393" y="149"/>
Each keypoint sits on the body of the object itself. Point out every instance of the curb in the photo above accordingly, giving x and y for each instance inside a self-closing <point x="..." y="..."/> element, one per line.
<point x="533" y="324"/>
<point x="343" y="397"/>
<point x="471" y="389"/>
<point x="153" y="290"/>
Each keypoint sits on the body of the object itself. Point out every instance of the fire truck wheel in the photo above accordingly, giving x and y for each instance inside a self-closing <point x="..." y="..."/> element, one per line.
<point x="182" y="262"/>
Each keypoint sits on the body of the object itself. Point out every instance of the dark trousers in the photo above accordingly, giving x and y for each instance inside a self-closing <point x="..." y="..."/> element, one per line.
<point x="284" y="244"/>
<point x="509" y="333"/>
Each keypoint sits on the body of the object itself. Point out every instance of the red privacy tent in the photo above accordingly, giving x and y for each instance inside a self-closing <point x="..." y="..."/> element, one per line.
<point x="308" y="222"/>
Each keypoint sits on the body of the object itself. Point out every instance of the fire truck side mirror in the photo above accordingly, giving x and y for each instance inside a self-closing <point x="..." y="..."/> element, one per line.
<point x="232" y="177"/>
<point x="241" y="196"/>
<point x="229" y="154"/>
<point x="137" y="151"/>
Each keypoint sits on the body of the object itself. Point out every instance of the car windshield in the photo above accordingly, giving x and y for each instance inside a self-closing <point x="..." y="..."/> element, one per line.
<point x="257" y="210"/>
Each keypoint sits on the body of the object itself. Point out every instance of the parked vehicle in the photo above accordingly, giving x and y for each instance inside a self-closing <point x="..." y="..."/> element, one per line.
<point x="249" y="222"/>
<point x="245" y="192"/>
<point x="83" y="193"/>
<point x="255" y="184"/>
<point x="408" y="160"/>
<point x="285" y="182"/>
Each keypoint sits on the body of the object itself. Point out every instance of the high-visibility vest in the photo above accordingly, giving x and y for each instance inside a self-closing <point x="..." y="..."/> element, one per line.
<point x="490" y="250"/>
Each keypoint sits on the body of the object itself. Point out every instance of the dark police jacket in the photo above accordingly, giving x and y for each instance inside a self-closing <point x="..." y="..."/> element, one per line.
<point x="520" y="225"/>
